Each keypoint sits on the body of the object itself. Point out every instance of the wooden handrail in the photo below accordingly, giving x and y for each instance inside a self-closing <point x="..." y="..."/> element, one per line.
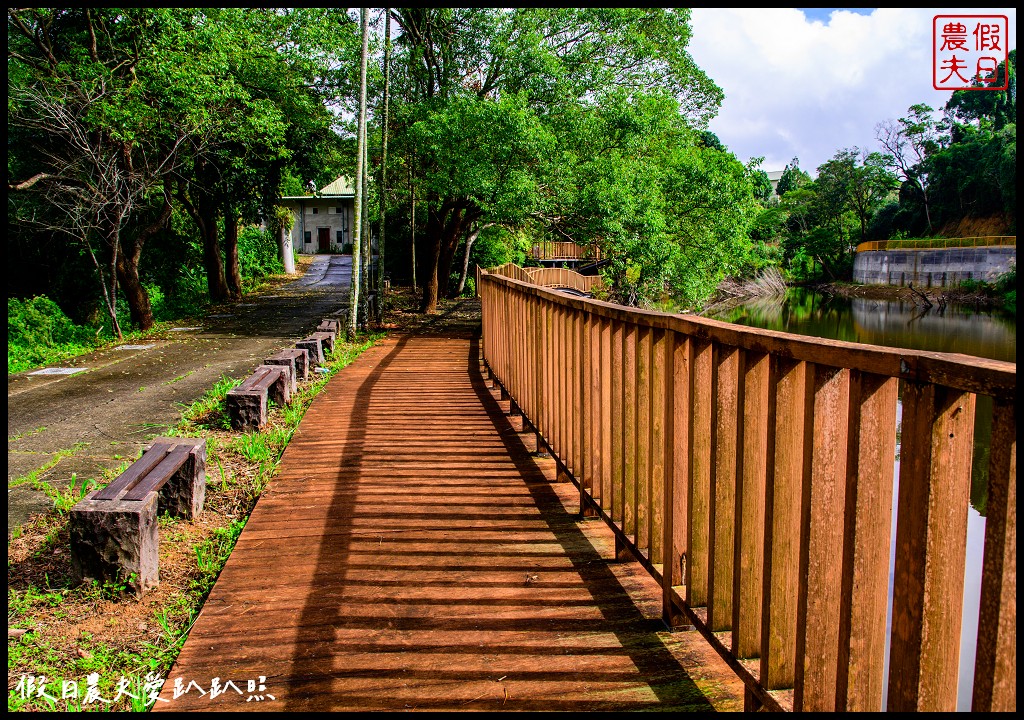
<point x="549" y="277"/>
<point x="938" y="243"/>
<point x="751" y="471"/>
<point x="564" y="251"/>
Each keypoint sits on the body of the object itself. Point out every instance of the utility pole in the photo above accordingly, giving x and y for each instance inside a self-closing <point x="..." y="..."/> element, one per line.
<point x="383" y="165"/>
<point x="360" y="189"/>
<point x="412" y="196"/>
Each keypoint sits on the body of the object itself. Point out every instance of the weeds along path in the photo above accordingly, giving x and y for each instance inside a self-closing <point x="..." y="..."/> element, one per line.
<point x="65" y="426"/>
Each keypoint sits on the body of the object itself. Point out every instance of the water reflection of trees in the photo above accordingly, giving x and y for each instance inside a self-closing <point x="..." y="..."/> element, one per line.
<point x="895" y="324"/>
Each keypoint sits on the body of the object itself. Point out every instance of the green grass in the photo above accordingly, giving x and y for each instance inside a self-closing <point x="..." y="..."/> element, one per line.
<point x="27" y="433"/>
<point x="208" y="412"/>
<point x="23" y="357"/>
<point x="32" y="478"/>
<point x="179" y="378"/>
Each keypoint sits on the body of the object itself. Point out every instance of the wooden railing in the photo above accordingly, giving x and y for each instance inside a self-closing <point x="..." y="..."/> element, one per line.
<point x="752" y="473"/>
<point x="564" y="251"/>
<point x="938" y="243"/>
<point x="549" y="277"/>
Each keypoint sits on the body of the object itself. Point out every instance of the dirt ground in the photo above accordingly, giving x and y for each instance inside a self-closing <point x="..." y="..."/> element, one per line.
<point x="75" y="426"/>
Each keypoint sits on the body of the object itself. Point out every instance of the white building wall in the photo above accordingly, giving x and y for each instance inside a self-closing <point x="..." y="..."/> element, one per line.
<point x="314" y="214"/>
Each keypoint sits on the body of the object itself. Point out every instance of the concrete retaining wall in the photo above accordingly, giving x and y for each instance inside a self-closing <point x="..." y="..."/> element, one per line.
<point x="932" y="268"/>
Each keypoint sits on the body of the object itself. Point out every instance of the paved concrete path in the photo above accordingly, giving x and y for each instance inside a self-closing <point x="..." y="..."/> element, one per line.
<point x="412" y="554"/>
<point x="105" y="413"/>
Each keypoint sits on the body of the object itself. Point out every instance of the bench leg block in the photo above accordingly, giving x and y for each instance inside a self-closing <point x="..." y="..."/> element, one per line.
<point x="281" y="391"/>
<point x="288" y="362"/>
<point x="184" y="493"/>
<point x="247" y="410"/>
<point x="302" y="365"/>
<point x="315" y="350"/>
<point x="114" y="540"/>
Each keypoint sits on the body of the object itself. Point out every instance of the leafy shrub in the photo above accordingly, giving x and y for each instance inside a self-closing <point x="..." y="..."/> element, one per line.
<point x="257" y="253"/>
<point x="40" y="321"/>
<point x="1006" y="289"/>
<point x="38" y="331"/>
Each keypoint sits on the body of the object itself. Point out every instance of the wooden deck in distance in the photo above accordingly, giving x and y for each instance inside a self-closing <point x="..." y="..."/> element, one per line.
<point x="413" y="554"/>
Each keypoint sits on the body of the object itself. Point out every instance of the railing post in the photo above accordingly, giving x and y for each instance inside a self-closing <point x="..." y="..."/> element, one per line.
<point x="784" y="500"/>
<point x="676" y="392"/>
<point x="931" y="528"/>
<point x="864" y="596"/>
<point x="594" y="370"/>
<point x="725" y="433"/>
<point x="606" y="417"/>
<point x="754" y="456"/>
<point x="660" y="394"/>
<point x="822" y="543"/>
<point x="698" y="561"/>
<point x="643" y="440"/>
<point x="995" y="670"/>
<point x="614" y="507"/>
<point x="629" y="423"/>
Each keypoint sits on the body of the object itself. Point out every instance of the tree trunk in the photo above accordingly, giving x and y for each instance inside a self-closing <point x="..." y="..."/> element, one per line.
<point x="353" y="299"/>
<point x="450" y="244"/>
<point x="203" y="210"/>
<point x="108" y="301"/>
<point x="284" y="248"/>
<point x="444" y="228"/>
<point x="139" y="308"/>
<point x="215" y="280"/>
<point x="470" y="239"/>
<point x="927" y="211"/>
<point x="233" y="270"/>
<point x="412" y="226"/>
<point x="434" y="230"/>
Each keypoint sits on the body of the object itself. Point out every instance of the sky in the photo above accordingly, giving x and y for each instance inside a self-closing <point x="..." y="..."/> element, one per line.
<point x="808" y="82"/>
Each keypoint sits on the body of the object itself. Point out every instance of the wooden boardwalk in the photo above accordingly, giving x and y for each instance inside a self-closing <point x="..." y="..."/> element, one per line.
<point x="413" y="554"/>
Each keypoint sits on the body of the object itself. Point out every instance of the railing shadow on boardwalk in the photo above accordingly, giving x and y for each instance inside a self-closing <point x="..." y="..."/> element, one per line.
<point x="327" y="637"/>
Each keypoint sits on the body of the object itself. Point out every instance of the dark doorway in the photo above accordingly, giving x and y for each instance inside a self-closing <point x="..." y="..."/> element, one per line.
<point x="323" y="239"/>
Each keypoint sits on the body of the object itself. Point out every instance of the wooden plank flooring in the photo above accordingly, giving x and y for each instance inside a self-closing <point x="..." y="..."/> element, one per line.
<point x="412" y="554"/>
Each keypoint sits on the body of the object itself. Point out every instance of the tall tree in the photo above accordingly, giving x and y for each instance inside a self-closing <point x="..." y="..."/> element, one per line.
<point x="81" y="81"/>
<point x="994" y="109"/>
<point x="908" y="143"/>
<point x="538" y="62"/>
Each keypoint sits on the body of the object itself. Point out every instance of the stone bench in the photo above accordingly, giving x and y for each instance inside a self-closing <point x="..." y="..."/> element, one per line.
<point x="296" y="359"/>
<point x="330" y="325"/>
<point x="247" y="403"/>
<point x="314" y="344"/>
<point x="114" y="530"/>
<point x="327" y="338"/>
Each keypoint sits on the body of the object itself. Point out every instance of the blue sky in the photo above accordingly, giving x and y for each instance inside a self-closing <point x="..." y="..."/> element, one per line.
<point x="808" y="82"/>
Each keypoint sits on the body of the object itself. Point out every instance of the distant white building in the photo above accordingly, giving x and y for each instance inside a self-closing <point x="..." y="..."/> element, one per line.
<point x="323" y="220"/>
<point x="774" y="176"/>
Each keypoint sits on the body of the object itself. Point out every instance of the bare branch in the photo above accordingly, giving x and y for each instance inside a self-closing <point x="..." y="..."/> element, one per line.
<point x="30" y="182"/>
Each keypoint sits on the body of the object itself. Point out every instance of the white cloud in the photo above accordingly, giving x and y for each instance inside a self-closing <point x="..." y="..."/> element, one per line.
<point x="801" y="88"/>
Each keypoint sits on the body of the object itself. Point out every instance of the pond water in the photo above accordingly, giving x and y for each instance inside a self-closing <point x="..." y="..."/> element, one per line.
<point x="906" y="325"/>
